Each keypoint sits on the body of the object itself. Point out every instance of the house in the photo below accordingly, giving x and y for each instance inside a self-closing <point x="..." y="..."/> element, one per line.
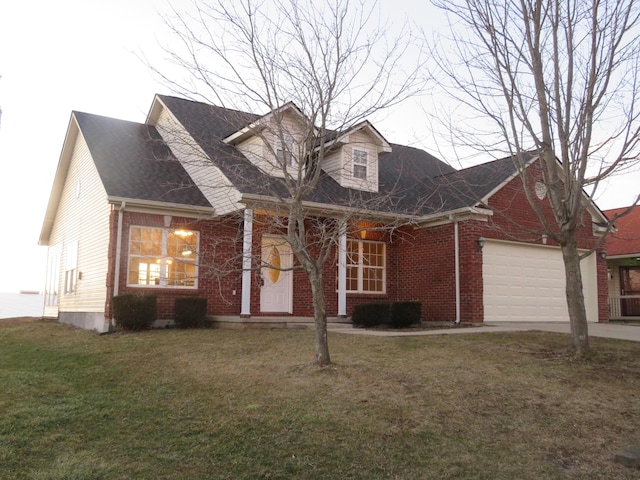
<point x="166" y="205"/>
<point x="623" y="263"/>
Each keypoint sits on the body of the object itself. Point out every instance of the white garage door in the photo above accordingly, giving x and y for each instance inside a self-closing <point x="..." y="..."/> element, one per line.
<point x="526" y="283"/>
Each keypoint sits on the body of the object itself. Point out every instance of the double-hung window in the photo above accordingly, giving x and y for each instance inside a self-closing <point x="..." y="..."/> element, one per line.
<point x="52" y="286"/>
<point x="71" y="268"/>
<point x="360" y="164"/>
<point x="162" y="257"/>
<point x="366" y="267"/>
<point x="284" y="152"/>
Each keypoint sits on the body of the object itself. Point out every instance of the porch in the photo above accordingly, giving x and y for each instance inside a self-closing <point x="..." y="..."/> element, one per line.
<point x="624" y="307"/>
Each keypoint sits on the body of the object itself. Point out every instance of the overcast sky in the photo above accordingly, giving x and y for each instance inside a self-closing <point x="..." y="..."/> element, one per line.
<point x="67" y="55"/>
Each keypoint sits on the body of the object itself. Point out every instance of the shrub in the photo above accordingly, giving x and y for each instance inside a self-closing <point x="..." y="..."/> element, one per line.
<point x="405" y="314"/>
<point x="371" y="314"/>
<point x="190" y="312"/>
<point x="132" y="311"/>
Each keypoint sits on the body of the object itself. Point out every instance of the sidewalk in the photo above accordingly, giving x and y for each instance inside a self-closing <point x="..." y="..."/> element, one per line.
<point x="605" y="330"/>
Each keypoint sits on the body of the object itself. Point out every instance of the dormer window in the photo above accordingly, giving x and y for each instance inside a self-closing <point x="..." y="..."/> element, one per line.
<point x="360" y="164"/>
<point x="284" y="155"/>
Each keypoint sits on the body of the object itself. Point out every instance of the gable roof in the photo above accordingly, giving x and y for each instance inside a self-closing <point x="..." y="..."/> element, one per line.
<point x="626" y="240"/>
<point x="402" y="172"/>
<point x="472" y="186"/>
<point x="134" y="163"/>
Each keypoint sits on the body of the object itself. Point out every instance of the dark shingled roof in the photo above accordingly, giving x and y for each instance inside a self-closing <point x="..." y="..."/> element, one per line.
<point x="406" y="175"/>
<point x="469" y="186"/>
<point x="133" y="162"/>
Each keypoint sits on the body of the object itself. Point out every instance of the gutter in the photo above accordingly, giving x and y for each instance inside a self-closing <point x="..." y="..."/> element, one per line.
<point x="414" y="220"/>
<point x="150" y="206"/>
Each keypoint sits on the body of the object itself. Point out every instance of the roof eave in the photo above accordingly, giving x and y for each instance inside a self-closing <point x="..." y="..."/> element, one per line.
<point x="168" y="208"/>
<point x="59" y="179"/>
<point x="622" y="256"/>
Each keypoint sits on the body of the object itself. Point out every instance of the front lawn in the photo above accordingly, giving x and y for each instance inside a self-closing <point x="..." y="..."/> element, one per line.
<point x="208" y="404"/>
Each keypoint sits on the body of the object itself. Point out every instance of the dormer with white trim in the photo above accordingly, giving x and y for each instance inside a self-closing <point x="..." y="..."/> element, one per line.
<point x="352" y="158"/>
<point x="274" y="142"/>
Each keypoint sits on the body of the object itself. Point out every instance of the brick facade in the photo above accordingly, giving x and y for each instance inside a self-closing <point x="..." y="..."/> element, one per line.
<point x="420" y="262"/>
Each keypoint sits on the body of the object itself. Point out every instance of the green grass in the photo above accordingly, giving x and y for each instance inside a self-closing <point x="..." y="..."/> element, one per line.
<point x="206" y="404"/>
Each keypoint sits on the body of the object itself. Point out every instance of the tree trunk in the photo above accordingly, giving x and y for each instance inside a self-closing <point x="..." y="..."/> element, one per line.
<point x="575" y="298"/>
<point x="320" y="319"/>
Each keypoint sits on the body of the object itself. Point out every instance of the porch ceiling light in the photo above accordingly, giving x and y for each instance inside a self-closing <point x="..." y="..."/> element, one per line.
<point x="480" y="243"/>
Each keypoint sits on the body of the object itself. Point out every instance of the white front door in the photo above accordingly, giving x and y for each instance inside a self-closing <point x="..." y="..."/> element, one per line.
<point x="275" y="292"/>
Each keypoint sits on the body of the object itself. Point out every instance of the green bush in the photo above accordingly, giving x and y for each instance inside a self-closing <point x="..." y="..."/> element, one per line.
<point x="405" y="314"/>
<point x="371" y="314"/>
<point x="133" y="311"/>
<point x="190" y="312"/>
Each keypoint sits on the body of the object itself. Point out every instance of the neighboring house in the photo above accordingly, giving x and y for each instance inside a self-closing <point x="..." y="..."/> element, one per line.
<point x="165" y="206"/>
<point x="623" y="261"/>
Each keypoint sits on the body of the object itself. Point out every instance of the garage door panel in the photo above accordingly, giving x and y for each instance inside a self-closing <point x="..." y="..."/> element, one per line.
<point x="526" y="283"/>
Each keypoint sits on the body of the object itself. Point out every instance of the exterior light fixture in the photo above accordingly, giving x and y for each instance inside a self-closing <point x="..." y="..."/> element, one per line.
<point x="603" y="254"/>
<point x="480" y="243"/>
<point x="545" y="237"/>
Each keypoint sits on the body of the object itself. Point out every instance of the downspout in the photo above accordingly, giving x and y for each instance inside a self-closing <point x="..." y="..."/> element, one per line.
<point x="456" y="240"/>
<point x="116" y="282"/>
<point x="342" y="272"/>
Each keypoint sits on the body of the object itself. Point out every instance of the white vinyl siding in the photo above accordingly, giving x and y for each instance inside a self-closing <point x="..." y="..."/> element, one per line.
<point x="348" y="169"/>
<point x="262" y="148"/>
<point x="81" y="220"/>
<point x="213" y="184"/>
<point x="525" y="282"/>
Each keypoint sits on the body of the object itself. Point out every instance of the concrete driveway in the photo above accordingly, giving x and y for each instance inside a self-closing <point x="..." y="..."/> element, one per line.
<point x="622" y="332"/>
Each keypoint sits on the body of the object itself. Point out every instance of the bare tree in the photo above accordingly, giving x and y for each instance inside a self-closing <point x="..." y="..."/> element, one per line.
<point x="558" y="78"/>
<point x="321" y="66"/>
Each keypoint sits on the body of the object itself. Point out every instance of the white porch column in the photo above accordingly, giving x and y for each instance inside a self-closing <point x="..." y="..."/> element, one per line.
<point x="342" y="271"/>
<point x="247" y="241"/>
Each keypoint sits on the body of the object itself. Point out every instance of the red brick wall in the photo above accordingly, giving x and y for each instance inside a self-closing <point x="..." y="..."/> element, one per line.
<point x="425" y="270"/>
<point x="515" y="220"/>
<point x="425" y="258"/>
<point x="219" y="242"/>
<point x="420" y="263"/>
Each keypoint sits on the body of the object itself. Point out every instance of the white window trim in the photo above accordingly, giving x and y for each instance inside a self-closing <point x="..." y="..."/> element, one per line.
<point x="357" y="161"/>
<point x="281" y="153"/>
<point x="361" y="268"/>
<point x="163" y="262"/>
<point x="52" y="288"/>
<point x="71" y="268"/>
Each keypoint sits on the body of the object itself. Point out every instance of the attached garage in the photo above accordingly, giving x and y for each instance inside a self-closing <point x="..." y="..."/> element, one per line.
<point x="525" y="282"/>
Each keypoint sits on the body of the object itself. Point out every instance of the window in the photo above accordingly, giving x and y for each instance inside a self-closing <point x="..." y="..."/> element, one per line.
<point x="360" y="164"/>
<point x="71" y="268"/>
<point x="284" y="154"/>
<point x="53" y="277"/>
<point x="162" y="257"/>
<point x="366" y="272"/>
